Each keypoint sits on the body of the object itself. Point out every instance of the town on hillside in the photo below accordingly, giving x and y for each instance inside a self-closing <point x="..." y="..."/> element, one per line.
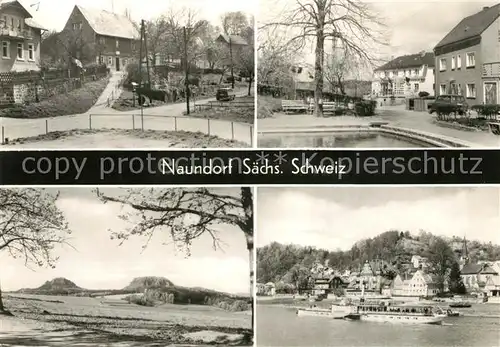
<point x="417" y="279"/>
<point x="106" y="62"/>
<point x="447" y="89"/>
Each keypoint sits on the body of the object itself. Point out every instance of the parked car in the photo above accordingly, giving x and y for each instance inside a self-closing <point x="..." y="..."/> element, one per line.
<point x="224" y="94"/>
<point x="449" y="99"/>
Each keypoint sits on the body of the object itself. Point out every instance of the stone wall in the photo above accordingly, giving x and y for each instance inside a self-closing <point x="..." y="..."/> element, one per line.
<point x="35" y="86"/>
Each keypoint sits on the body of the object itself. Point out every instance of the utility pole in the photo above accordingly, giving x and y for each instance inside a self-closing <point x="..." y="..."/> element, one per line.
<point x="140" y="53"/>
<point x="143" y="23"/>
<point x="187" y="69"/>
<point x="231" y="59"/>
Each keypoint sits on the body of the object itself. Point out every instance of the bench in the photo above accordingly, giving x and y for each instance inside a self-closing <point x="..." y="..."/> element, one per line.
<point x="291" y="106"/>
<point x="237" y="104"/>
<point x="331" y="106"/>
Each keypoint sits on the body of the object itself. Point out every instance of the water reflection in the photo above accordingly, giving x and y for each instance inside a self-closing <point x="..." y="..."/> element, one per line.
<point x="336" y="140"/>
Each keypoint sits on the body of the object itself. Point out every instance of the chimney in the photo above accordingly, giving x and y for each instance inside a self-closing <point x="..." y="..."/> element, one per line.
<point x="485" y="8"/>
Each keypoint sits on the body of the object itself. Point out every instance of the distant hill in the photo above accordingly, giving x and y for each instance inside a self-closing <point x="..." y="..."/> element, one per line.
<point x="150" y="282"/>
<point x="59" y="285"/>
<point x="278" y="262"/>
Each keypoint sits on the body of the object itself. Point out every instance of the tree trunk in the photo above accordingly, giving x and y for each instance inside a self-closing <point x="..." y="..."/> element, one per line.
<point x="250" y="86"/>
<point x="247" y="202"/>
<point x="1" y="302"/>
<point x="318" y="65"/>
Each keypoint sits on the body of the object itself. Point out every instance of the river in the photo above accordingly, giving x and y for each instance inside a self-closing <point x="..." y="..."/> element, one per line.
<point x="279" y="326"/>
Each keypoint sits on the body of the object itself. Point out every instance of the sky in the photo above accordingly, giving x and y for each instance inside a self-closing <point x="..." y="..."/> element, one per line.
<point x="100" y="263"/>
<point x="411" y="26"/>
<point x="336" y="218"/>
<point x="53" y="14"/>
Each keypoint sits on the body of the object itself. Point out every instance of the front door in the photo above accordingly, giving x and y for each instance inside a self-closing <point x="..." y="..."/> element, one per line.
<point x="490" y="93"/>
<point x="117" y="64"/>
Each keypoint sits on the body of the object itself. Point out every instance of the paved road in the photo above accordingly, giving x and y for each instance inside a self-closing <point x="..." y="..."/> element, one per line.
<point x="166" y="117"/>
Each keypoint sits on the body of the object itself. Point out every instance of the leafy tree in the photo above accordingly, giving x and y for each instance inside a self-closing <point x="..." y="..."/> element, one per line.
<point x="456" y="283"/>
<point x="185" y="214"/>
<point x="31" y="226"/>
<point x="441" y="258"/>
<point x="234" y="23"/>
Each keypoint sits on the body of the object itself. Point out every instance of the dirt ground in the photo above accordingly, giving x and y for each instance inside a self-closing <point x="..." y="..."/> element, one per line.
<point x="122" y="138"/>
<point x="72" y="321"/>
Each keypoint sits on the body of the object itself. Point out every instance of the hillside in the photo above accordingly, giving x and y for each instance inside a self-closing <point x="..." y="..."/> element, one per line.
<point x="141" y="283"/>
<point x="277" y="262"/>
<point x="57" y="286"/>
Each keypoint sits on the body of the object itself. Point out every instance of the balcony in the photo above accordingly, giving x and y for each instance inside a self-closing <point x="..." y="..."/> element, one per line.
<point x="16" y="33"/>
<point x="491" y="69"/>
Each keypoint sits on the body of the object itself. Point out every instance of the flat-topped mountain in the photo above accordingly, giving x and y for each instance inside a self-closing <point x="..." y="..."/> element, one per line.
<point x="149" y="282"/>
<point x="59" y="285"/>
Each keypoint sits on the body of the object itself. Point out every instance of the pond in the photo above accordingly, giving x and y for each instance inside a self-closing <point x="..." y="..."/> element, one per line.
<point x="337" y="140"/>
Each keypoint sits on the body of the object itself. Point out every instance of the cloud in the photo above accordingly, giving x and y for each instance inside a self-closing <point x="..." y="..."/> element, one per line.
<point x="306" y="219"/>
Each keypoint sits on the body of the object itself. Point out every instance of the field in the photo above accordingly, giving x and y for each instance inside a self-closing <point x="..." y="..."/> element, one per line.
<point x="67" y="321"/>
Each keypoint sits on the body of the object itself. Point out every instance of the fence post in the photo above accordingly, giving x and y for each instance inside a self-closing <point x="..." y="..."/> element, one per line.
<point x="208" y="125"/>
<point x="175" y="123"/>
<point x="133" y="122"/>
<point x="3" y="134"/>
<point x="90" y="121"/>
<point x="46" y="126"/>
<point x="142" y="121"/>
<point x="251" y="136"/>
<point x="232" y="130"/>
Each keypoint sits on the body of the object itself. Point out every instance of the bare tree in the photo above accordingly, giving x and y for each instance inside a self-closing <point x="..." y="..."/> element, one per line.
<point x="186" y="214"/>
<point x="157" y="40"/>
<point x="339" y="66"/>
<point x="31" y="226"/>
<point x="352" y="23"/>
<point x="246" y="59"/>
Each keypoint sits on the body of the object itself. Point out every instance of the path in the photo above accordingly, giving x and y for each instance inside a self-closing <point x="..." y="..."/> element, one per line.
<point x="167" y="117"/>
<point x="112" y="91"/>
<point x="395" y="115"/>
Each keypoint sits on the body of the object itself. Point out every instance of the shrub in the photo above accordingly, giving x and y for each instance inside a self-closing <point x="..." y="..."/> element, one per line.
<point x="365" y="108"/>
<point x="140" y="300"/>
<point x="423" y="94"/>
<point x="486" y="110"/>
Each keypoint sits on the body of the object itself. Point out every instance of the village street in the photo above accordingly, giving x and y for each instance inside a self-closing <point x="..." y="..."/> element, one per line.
<point x="395" y="115"/>
<point x="165" y="117"/>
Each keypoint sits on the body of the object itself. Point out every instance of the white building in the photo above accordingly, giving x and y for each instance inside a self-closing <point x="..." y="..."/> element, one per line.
<point x="419" y="285"/>
<point x="405" y="76"/>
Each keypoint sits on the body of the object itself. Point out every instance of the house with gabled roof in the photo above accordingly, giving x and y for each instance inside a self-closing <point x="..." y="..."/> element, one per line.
<point x="468" y="58"/>
<point x="475" y="276"/>
<point x="405" y="76"/>
<point x="20" y="37"/>
<point x="102" y="37"/>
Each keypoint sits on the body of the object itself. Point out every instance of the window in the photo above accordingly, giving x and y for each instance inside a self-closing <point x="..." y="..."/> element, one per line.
<point x="471" y="60"/>
<point x="442" y="89"/>
<point x="453" y="63"/>
<point x="5" y="49"/>
<point x="442" y="64"/>
<point x="416" y="72"/>
<point x="110" y="61"/>
<point x="459" y="61"/>
<point x="77" y="26"/>
<point x="416" y="87"/>
<point x="471" y="90"/>
<point x="20" y="51"/>
<point x="102" y="40"/>
<point x="31" y="52"/>
<point x="12" y="22"/>
<point x="117" y="44"/>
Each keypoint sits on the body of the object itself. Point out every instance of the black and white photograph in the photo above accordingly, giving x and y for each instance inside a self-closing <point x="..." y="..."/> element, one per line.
<point x="126" y="267"/>
<point x="127" y="74"/>
<point x="378" y="266"/>
<point x="373" y="74"/>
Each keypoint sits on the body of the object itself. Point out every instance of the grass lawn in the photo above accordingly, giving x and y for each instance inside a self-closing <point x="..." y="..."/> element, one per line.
<point x="229" y="113"/>
<point x="124" y="138"/>
<point x="75" y="102"/>
<point x="267" y="105"/>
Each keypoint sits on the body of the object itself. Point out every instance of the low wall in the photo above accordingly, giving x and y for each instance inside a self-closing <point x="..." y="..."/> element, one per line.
<point x="34" y="86"/>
